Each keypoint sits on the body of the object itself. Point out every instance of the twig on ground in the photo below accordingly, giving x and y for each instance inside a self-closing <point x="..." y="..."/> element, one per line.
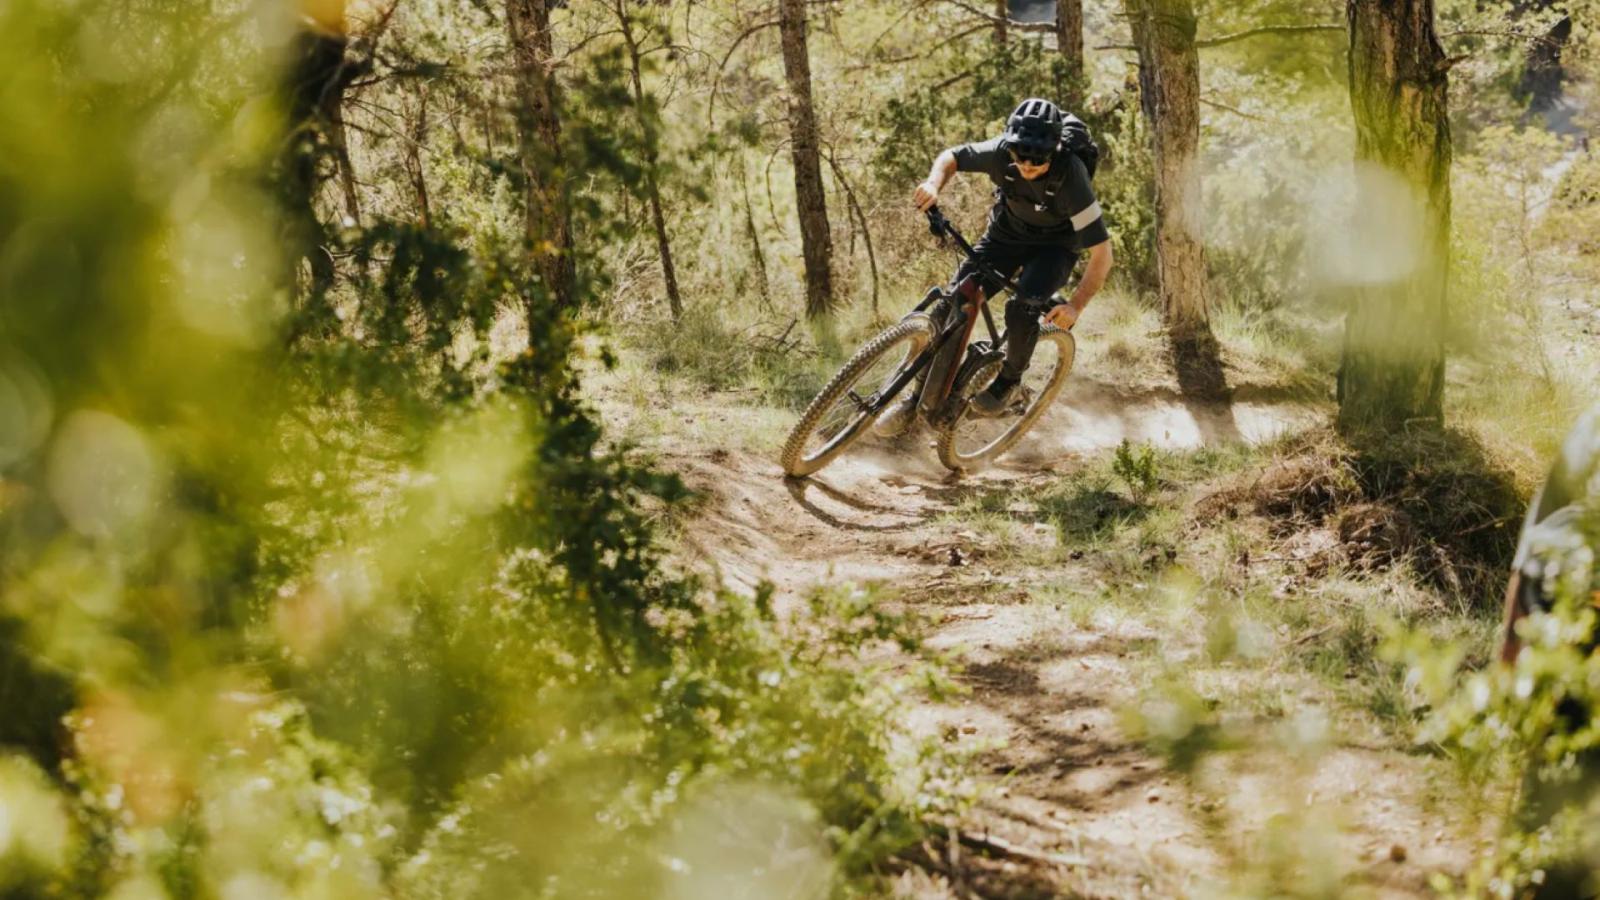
<point x="1310" y="636"/>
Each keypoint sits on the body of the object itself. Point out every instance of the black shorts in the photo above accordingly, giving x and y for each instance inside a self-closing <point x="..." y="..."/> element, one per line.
<point x="1045" y="268"/>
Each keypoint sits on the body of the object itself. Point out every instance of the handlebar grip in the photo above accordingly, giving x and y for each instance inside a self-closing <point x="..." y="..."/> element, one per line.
<point x="937" y="223"/>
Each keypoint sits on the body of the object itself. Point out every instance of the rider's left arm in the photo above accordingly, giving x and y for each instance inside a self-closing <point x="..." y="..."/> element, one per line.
<point x="1094" y="278"/>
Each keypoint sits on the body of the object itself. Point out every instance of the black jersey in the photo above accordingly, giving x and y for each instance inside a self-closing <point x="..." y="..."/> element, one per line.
<point x="1057" y="207"/>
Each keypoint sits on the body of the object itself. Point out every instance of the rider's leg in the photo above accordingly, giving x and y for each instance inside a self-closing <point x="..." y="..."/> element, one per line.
<point x="988" y="253"/>
<point x="1045" y="272"/>
<point x="993" y="253"/>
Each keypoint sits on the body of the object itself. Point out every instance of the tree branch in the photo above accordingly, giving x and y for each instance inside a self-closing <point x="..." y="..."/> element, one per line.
<point x="716" y="82"/>
<point x="1239" y="35"/>
<point x="961" y="76"/>
<point x="1239" y="112"/>
<point x="1266" y="29"/>
<point x="1505" y="33"/>
<point x="866" y="231"/>
<point x="912" y="57"/>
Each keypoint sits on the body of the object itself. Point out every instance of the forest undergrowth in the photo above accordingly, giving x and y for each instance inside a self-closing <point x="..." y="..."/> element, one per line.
<point x="372" y="527"/>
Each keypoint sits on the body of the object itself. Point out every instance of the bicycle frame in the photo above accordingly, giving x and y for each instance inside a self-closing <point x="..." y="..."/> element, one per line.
<point x="960" y="326"/>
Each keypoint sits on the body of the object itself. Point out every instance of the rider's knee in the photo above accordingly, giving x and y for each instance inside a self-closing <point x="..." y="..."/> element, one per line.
<point x="1026" y="307"/>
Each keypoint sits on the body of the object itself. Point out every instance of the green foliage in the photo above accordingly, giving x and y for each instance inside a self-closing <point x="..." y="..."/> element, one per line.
<point x="324" y="590"/>
<point x="1137" y="468"/>
<point x="1530" y="717"/>
<point x="1086" y="510"/>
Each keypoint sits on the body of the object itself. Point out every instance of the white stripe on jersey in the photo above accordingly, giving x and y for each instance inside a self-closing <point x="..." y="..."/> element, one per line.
<point x="1087" y="217"/>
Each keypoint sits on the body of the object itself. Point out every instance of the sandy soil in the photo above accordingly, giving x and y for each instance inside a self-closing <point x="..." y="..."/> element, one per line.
<point x="1084" y="810"/>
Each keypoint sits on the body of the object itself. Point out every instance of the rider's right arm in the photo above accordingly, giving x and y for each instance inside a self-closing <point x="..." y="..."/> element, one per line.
<point x="989" y="157"/>
<point x="927" y="193"/>
<point x="944" y="166"/>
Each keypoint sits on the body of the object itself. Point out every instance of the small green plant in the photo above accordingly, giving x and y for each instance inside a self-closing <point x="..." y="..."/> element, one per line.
<point x="1137" y="467"/>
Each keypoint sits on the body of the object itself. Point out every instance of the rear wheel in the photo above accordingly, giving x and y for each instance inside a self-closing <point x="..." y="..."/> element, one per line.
<point x="844" y="410"/>
<point x="973" y="441"/>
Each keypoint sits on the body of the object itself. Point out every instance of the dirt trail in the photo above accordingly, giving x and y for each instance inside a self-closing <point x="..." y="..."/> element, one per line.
<point x="1093" y="813"/>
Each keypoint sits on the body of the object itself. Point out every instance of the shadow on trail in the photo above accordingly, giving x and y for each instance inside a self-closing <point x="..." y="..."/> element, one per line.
<point x="1050" y="749"/>
<point x="1203" y="386"/>
<point x="800" y="489"/>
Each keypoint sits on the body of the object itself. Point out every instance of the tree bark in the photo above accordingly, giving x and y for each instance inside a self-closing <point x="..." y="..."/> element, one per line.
<point x="548" y="224"/>
<point x="1393" y="367"/>
<point x="339" y="140"/>
<point x="1069" y="43"/>
<point x="1002" y="21"/>
<point x="815" y="238"/>
<point x="652" y="175"/>
<point x="1169" y="88"/>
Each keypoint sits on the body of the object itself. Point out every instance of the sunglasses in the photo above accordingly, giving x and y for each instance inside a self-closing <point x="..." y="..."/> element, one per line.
<point x="1037" y="158"/>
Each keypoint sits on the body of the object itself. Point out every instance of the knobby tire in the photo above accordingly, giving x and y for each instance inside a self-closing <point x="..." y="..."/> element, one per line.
<point x="916" y="331"/>
<point x="950" y="453"/>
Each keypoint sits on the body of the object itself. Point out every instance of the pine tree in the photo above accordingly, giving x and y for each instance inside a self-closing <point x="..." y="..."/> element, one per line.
<point x="1393" y="367"/>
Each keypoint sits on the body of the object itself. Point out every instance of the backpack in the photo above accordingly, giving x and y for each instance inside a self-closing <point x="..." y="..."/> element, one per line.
<point x="1076" y="139"/>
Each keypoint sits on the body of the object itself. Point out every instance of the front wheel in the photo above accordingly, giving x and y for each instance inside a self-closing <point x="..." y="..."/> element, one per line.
<point x="972" y="441"/>
<point x="853" y="400"/>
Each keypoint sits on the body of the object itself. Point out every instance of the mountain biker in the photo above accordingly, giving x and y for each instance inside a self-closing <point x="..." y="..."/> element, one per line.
<point x="1045" y="212"/>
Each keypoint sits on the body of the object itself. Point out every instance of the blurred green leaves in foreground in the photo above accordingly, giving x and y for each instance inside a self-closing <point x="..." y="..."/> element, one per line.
<point x="1531" y="720"/>
<point x="303" y="596"/>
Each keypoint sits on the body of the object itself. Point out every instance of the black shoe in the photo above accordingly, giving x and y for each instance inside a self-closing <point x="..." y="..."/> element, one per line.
<point x="990" y="403"/>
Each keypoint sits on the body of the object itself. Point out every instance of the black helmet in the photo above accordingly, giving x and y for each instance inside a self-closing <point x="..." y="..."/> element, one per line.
<point x="1034" y="129"/>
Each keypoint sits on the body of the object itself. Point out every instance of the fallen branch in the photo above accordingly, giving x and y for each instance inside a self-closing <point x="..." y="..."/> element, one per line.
<point x="1004" y="849"/>
<point x="1308" y="638"/>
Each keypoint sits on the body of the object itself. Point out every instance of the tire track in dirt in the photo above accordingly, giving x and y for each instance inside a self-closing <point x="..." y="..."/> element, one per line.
<point x="1091" y="813"/>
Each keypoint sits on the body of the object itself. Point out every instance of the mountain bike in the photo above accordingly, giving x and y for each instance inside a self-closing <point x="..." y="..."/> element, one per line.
<point x="931" y="351"/>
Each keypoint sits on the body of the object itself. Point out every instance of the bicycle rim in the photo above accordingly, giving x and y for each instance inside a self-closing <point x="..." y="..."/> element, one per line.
<point x="841" y="412"/>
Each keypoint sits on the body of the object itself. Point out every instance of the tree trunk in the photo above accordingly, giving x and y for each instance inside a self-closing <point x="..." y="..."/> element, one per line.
<point x="1002" y="21"/>
<point x="548" y="225"/>
<point x="1169" y="87"/>
<point x="339" y="140"/>
<point x="815" y="238"/>
<point x="414" y="170"/>
<point x="652" y="179"/>
<point x="1393" y="367"/>
<point x="1069" y="43"/>
<point x="759" y="256"/>
<point x="318" y="73"/>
